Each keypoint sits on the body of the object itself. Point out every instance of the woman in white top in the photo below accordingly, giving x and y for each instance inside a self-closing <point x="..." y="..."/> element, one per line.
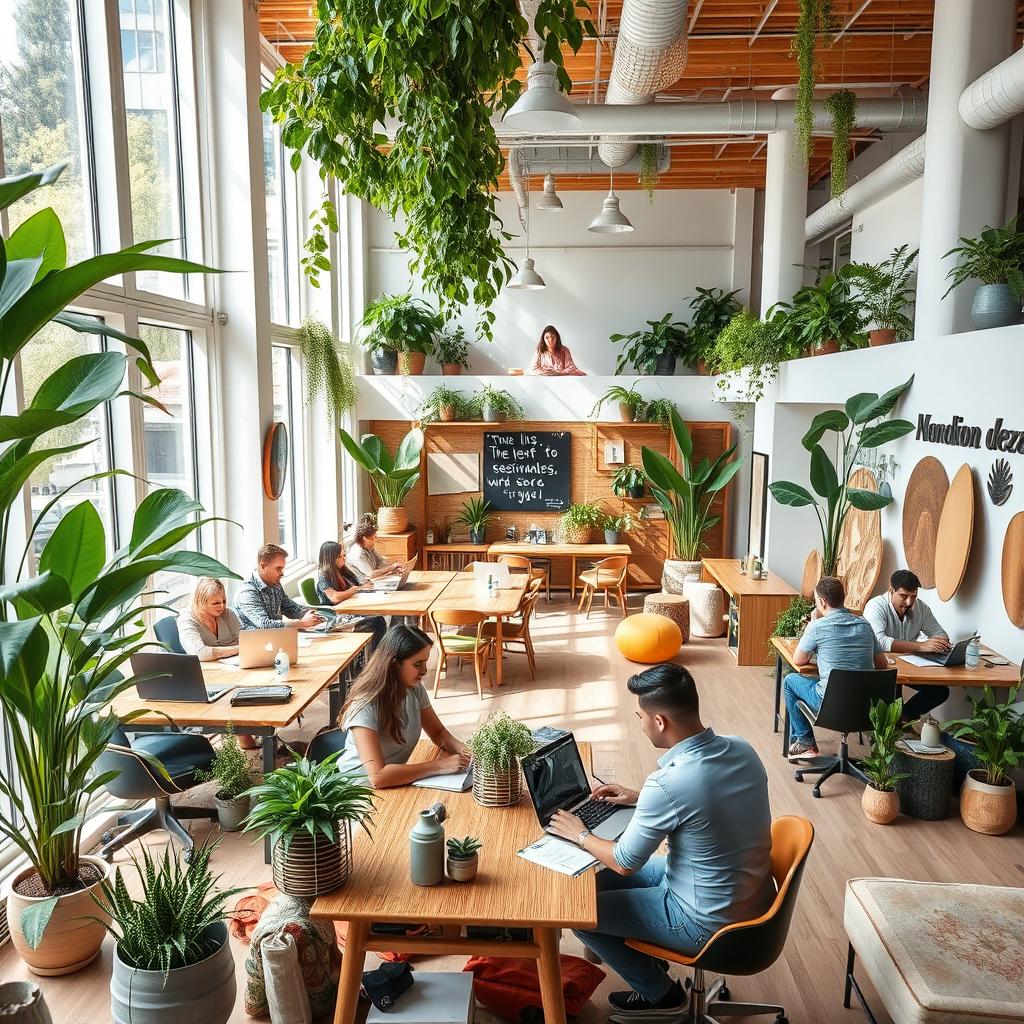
<point x="364" y="560"/>
<point x="387" y="709"/>
<point x="210" y="628"/>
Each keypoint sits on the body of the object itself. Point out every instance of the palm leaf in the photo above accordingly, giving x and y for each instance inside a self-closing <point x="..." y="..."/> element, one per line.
<point x="1000" y="482"/>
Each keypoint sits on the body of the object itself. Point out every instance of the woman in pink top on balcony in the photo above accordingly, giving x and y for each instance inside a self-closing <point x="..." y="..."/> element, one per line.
<point x="552" y="358"/>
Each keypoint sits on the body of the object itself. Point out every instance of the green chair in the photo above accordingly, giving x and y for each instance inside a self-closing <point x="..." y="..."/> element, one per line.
<point x="308" y="590"/>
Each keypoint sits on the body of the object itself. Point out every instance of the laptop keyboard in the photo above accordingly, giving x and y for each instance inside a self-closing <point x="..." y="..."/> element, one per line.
<point x="593" y="812"/>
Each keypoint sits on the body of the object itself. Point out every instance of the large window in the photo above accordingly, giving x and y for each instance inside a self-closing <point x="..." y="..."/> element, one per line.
<point x="282" y="227"/>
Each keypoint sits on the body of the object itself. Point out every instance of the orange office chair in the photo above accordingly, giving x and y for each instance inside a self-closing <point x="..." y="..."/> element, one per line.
<point x="609" y="574"/>
<point x="747" y="947"/>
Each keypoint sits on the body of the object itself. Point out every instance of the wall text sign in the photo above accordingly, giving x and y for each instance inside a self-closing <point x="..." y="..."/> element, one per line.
<point x="963" y="435"/>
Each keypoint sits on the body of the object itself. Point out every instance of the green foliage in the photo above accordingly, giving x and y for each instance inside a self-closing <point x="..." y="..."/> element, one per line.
<point x="441" y="396"/>
<point x="327" y="373"/>
<point x="452" y="347"/>
<point x="860" y="428"/>
<point x="815" y="19"/>
<point x="842" y="106"/>
<point x="307" y="797"/>
<point x="712" y="309"/>
<point x="886" y="290"/>
<point x="793" y="620"/>
<point x="648" y="178"/>
<point x="621" y="523"/>
<point x="826" y="311"/>
<point x="994" y="257"/>
<point x="400" y="323"/>
<point x="885" y="732"/>
<point x="658" y="410"/>
<point x="231" y="768"/>
<point x="463" y="849"/>
<point x="170" y="924"/>
<point x="443" y="70"/>
<point x="625" y="478"/>
<point x="643" y="347"/>
<point x="585" y="515"/>
<point x="475" y="513"/>
<point x="687" y="497"/>
<point x="499" y="743"/>
<point x="499" y="401"/>
<point x="757" y="346"/>
<point x="624" y="396"/>
<point x="997" y="730"/>
<point x="392" y="477"/>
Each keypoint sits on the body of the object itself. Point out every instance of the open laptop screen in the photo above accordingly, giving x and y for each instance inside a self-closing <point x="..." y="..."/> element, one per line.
<point x="555" y="777"/>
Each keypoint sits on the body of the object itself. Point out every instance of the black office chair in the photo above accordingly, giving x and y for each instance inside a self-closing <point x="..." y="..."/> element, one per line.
<point x="846" y="708"/>
<point x="166" y="631"/>
<point x="327" y="741"/>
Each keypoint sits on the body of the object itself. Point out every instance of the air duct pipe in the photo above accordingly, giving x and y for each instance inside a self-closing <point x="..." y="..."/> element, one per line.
<point x="997" y="96"/>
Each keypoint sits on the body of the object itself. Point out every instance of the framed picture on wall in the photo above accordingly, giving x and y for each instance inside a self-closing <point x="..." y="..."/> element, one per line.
<point x="758" y="511"/>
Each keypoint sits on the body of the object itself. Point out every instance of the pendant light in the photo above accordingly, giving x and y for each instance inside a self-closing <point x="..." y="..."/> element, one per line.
<point x="549" y="200"/>
<point x="542" y="106"/>
<point x="526" y="277"/>
<point x="611" y="220"/>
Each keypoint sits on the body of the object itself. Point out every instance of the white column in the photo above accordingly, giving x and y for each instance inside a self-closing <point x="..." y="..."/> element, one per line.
<point x="742" y="242"/>
<point x="965" y="170"/>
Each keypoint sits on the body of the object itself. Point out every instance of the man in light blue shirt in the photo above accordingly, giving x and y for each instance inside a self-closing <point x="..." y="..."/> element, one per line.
<point x="839" y="639"/>
<point x="709" y="801"/>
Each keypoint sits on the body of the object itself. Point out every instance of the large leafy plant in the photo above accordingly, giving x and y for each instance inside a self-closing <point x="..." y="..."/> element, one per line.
<point x="752" y="346"/>
<point x="886" y="290"/>
<point x="996" y="256"/>
<point x="392" y="477"/>
<point x="711" y="310"/>
<point x="885" y="733"/>
<point x="442" y="71"/>
<point x="826" y="311"/>
<point x="860" y="426"/>
<point x="687" y="496"/>
<point x="997" y="730"/>
<point x="67" y="631"/>
<point x="643" y="348"/>
<point x="400" y="323"/>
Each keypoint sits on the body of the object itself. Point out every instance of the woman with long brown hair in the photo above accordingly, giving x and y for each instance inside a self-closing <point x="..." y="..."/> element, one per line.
<point x="336" y="583"/>
<point x="387" y="709"/>
<point x="552" y="358"/>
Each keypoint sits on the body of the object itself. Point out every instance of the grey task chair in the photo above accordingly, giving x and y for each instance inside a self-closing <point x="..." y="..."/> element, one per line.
<point x="846" y="708"/>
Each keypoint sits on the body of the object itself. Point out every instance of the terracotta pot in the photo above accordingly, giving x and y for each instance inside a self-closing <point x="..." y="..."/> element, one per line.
<point x="879" y="806"/>
<point x="626" y="412"/>
<point x="826" y="348"/>
<point x="72" y="939"/>
<point x="881" y="337"/>
<point x="451" y="369"/>
<point x="702" y="368"/>
<point x="392" y="520"/>
<point x="463" y="869"/>
<point x="447" y="413"/>
<point x="991" y="810"/>
<point x="806" y="352"/>
<point x="411" y="364"/>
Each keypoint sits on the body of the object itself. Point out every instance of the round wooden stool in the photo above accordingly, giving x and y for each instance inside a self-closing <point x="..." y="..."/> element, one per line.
<point x="925" y="793"/>
<point x="672" y="606"/>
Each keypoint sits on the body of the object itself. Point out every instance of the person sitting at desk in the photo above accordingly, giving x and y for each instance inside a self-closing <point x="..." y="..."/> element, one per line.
<point x="386" y="710"/>
<point x="899" y="619"/>
<point x="709" y="800"/>
<point x="261" y="602"/>
<point x="552" y="358"/>
<point x="840" y="639"/>
<point x="364" y="560"/>
<point x="336" y="583"/>
<point x="209" y="629"/>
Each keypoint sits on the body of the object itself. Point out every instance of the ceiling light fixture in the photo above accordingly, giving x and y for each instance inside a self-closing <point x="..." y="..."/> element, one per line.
<point x="526" y="277"/>
<point x="549" y="200"/>
<point x="611" y="220"/>
<point x="542" y="106"/>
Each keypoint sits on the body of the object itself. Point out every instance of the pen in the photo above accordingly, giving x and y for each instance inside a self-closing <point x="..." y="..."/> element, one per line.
<point x="597" y="778"/>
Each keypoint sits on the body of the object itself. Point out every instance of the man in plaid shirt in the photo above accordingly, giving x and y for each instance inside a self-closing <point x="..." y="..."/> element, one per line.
<point x="261" y="602"/>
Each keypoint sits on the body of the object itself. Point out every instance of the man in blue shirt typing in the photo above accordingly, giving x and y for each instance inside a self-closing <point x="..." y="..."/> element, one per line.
<point x="709" y="800"/>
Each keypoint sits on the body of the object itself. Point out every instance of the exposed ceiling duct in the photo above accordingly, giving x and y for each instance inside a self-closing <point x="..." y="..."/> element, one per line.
<point x="995" y="97"/>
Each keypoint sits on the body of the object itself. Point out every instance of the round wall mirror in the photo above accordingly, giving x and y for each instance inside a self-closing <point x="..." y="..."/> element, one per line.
<point x="275" y="460"/>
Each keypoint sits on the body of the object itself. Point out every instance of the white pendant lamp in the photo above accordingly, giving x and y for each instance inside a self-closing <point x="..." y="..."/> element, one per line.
<point x="549" y="199"/>
<point x="542" y="106"/>
<point x="611" y="220"/>
<point x="526" y="277"/>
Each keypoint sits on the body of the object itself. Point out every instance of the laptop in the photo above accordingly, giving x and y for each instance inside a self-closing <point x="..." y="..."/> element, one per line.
<point x="389" y="584"/>
<point x="557" y="780"/>
<point x="257" y="648"/>
<point x="955" y="656"/>
<point x="177" y="677"/>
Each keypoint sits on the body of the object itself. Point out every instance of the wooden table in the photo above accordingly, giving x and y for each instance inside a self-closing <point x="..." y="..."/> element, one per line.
<point x="462" y="594"/>
<point x="572" y="551"/>
<point x="420" y="592"/>
<point x="754" y="607"/>
<point x="507" y="892"/>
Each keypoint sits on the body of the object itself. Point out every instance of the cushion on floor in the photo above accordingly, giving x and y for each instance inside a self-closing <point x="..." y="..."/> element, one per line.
<point x="939" y="953"/>
<point x="648" y="639"/>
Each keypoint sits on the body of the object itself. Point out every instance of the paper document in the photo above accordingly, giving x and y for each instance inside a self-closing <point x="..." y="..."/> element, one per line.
<point x="458" y="782"/>
<point x="916" y="659"/>
<point x="557" y="854"/>
<point x="226" y="662"/>
<point x="917" y="747"/>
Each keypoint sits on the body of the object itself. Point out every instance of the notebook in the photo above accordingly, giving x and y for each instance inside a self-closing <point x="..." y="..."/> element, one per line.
<point x="558" y="855"/>
<point x="457" y="782"/>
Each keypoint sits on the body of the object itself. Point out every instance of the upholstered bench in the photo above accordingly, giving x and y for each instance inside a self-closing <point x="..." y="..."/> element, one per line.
<point x="937" y="952"/>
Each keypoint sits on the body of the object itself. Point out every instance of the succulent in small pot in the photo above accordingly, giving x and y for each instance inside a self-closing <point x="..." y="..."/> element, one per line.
<point x="497" y="747"/>
<point x="476" y="514"/>
<point x="233" y="770"/>
<point x="452" y="350"/>
<point x="463" y="858"/>
<point x="628" y="480"/>
<point x="880" y="801"/>
<point x="444" y="404"/>
<point x="577" y="521"/>
<point x="631" y="402"/>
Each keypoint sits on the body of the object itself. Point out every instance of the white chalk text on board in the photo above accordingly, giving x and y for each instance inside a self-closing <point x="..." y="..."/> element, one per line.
<point x="963" y="435"/>
<point x="527" y="470"/>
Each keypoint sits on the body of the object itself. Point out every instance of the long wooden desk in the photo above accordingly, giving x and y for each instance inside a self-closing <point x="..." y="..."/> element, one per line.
<point x="507" y="892"/>
<point x="572" y="551"/>
<point x="420" y="592"/>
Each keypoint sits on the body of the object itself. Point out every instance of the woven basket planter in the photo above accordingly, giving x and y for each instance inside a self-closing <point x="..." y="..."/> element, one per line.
<point x="576" y="534"/>
<point x="392" y="520"/>
<point x="498" y="789"/>
<point x="314" y="865"/>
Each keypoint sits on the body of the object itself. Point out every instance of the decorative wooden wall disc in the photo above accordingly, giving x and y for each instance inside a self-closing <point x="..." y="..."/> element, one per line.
<point x="275" y="460"/>
<point x="922" y="509"/>
<point x="956" y="531"/>
<point x="1013" y="570"/>
<point x="812" y="573"/>
<point x="860" y="546"/>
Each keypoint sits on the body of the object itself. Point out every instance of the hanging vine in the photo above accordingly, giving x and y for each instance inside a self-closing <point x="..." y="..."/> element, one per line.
<point x="815" y="19"/>
<point x="328" y="373"/>
<point x="648" y="177"/>
<point x="842" y="107"/>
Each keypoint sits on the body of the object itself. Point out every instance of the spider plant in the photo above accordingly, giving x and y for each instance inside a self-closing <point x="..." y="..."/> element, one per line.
<point x="631" y="402"/>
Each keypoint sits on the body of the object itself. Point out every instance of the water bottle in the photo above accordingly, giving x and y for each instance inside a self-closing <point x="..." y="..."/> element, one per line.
<point x="281" y="664"/>
<point x="973" y="653"/>
<point x="426" y="849"/>
<point x="491" y="587"/>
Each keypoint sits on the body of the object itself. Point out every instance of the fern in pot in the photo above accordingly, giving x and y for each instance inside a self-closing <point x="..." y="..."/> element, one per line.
<point x="996" y="259"/>
<point x="233" y="772"/>
<point x="497" y="405"/>
<point x="497" y="747"/>
<point x="631" y="403"/>
<point x="577" y="521"/>
<point x="887" y="292"/>
<point x="452" y="351"/>
<point x="444" y="404"/>
<point x="880" y="801"/>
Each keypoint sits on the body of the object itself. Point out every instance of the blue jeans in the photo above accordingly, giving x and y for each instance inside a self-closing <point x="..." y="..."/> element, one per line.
<point x="797" y="687"/>
<point x="640" y="906"/>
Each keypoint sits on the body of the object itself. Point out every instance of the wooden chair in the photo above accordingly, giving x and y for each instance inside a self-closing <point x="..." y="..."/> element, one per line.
<point x="537" y="572"/>
<point x="609" y="574"/>
<point x="461" y="645"/>
<point x="513" y="632"/>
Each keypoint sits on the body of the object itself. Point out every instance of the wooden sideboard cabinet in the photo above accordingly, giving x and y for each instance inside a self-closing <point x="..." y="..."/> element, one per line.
<point x="399" y="547"/>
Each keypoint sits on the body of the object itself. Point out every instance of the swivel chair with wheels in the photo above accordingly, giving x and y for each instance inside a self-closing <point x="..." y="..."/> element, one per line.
<point x="327" y="741"/>
<point x="747" y="947"/>
<point x="166" y="631"/>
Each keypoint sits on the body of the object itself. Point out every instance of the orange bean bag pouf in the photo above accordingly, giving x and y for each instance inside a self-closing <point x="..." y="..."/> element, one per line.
<point x="648" y="639"/>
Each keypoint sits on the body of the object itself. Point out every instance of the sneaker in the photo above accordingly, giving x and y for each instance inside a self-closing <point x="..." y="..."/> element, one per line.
<point x="633" y="1002"/>
<point x="801" y="750"/>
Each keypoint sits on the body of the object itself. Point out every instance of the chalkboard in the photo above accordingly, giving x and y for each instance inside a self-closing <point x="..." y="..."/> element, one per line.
<point x="527" y="470"/>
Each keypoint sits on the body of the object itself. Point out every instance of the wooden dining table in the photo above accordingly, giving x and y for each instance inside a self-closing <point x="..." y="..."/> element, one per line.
<point x="416" y="597"/>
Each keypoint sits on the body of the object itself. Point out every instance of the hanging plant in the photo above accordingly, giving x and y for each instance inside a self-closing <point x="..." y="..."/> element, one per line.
<point x="442" y="71"/>
<point x="327" y="373"/>
<point x="842" y="108"/>
<point x="815" y="18"/>
<point x="648" y="168"/>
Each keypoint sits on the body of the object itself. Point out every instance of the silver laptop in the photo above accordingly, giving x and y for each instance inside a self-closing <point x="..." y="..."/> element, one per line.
<point x="389" y="584"/>
<point x="257" y="648"/>
<point x="557" y="780"/>
<point x="955" y="656"/>
<point x="173" y="677"/>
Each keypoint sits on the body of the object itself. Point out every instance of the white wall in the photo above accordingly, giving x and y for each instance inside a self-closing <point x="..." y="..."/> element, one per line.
<point x="890" y="223"/>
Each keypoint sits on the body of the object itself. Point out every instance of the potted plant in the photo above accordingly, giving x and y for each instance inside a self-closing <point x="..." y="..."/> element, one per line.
<point x="392" y="478"/>
<point x="172" y="958"/>
<point x="655" y="350"/>
<point x="476" y="514"/>
<point x="658" y="410"/>
<point x="825" y="317"/>
<point x="750" y="349"/>
<point x="233" y="770"/>
<point x="614" y="525"/>
<point x="497" y="747"/>
<point x="67" y="628"/>
<point x="995" y="258"/>
<point x="399" y="325"/>
<point x="628" y="480"/>
<point x="686" y="499"/>
<point x="631" y="402"/>
<point x="988" y="800"/>
<point x="444" y="404"/>
<point x="307" y="810"/>
<point x="328" y="374"/>
<point x="577" y="521"/>
<point x="452" y="350"/>
<point x="463" y="858"/>
<point x="794" y="619"/>
<point x="880" y="801"/>
<point x="497" y="405"/>
<point x="886" y="292"/>
<point x="830" y="480"/>
<point x="712" y="309"/>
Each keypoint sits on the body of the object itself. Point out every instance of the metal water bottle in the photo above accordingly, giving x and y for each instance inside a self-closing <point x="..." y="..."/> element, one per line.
<point x="426" y="849"/>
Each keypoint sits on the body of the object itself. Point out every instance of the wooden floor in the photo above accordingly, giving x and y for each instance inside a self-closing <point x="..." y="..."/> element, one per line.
<point x="581" y="683"/>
